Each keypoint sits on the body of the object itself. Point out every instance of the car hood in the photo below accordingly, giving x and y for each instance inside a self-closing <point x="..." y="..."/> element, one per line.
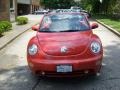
<point x="64" y="44"/>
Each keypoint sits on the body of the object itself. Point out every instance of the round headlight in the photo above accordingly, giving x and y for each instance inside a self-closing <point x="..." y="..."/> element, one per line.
<point x="32" y="50"/>
<point x="95" y="47"/>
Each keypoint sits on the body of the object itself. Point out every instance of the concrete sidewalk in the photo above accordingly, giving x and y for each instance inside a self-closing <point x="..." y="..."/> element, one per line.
<point x="109" y="28"/>
<point x="16" y="31"/>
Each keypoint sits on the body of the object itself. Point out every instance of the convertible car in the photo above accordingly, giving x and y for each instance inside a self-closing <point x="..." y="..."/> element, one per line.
<point x="65" y="46"/>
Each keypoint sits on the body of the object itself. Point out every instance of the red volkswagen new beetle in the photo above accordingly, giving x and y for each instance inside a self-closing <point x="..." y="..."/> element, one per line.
<point x="65" y="46"/>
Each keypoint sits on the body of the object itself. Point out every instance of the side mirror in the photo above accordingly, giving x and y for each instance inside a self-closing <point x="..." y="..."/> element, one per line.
<point x="94" y="25"/>
<point x="35" y="28"/>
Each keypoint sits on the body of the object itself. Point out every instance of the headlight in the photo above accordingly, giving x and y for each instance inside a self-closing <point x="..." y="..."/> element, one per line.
<point x="32" y="50"/>
<point x="95" y="47"/>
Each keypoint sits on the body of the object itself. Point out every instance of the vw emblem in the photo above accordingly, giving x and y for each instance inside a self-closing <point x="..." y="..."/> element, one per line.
<point x="63" y="49"/>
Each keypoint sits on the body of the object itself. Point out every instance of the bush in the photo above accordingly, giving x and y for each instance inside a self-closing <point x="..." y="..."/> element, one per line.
<point x="22" y="20"/>
<point x="5" y="26"/>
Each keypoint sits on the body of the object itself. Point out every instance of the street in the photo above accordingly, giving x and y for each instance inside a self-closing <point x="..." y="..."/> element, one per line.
<point x="15" y="74"/>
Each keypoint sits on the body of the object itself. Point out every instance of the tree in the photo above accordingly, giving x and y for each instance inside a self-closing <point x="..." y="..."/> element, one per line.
<point x="56" y="4"/>
<point x="104" y="7"/>
<point x="91" y="5"/>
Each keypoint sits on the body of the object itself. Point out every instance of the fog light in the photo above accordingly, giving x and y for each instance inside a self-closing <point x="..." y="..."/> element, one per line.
<point x="86" y="72"/>
<point x="43" y="73"/>
<point x="97" y="74"/>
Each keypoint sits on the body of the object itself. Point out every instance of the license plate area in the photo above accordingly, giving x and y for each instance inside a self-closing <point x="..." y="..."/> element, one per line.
<point x="64" y="68"/>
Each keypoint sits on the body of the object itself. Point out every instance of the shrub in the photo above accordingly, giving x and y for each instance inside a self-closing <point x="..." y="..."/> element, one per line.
<point x="22" y="20"/>
<point x="5" y="26"/>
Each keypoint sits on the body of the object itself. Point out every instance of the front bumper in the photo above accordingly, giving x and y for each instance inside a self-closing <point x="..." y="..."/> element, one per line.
<point x="48" y="67"/>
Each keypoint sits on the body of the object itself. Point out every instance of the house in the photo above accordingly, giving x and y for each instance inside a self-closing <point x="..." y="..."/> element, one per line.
<point x="10" y="9"/>
<point x="35" y="5"/>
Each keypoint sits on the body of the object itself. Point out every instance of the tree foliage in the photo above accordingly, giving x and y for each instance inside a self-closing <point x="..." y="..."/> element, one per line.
<point x="104" y="7"/>
<point x="55" y="4"/>
<point x="94" y="6"/>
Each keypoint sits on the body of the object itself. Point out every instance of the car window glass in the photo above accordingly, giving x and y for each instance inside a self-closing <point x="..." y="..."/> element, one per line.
<point x="65" y="22"/>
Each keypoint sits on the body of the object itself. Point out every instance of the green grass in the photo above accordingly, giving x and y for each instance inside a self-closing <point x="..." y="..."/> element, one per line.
<point x="114" y="23"/>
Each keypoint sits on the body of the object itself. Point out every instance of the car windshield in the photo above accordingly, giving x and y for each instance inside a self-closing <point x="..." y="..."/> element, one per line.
<point x="64" y="23"/>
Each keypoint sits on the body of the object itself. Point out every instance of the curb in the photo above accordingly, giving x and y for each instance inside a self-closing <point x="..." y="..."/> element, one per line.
<point x="12" y="39"/>
<point x="108" y="27"/>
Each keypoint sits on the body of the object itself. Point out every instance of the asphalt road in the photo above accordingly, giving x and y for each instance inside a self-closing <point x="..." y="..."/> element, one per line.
<point x="15" y="75"/>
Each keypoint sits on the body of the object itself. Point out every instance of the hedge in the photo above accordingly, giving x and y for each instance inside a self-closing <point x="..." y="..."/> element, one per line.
<point x="5" y="26"/>
<point x="22" y="20"/>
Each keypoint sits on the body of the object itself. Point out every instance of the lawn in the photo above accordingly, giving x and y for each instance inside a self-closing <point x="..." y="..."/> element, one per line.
<point x="114" y="23"/>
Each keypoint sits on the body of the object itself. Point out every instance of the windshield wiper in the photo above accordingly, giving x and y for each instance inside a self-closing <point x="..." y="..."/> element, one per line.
<point x="59" y="31"/>
<point x="47" y="31"/>
<point x="70" y="30"/>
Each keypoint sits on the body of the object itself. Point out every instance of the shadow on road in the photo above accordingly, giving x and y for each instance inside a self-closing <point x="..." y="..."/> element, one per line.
<point x="19" y="78"/>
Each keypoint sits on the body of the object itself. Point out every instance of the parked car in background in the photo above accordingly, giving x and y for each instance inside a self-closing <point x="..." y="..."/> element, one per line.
<point x="73" y="11"/>
<point x="65" y="46"/>
<point x="75" y="7"/>
<point x="79" y="9"/>
<point x="67" y="11"/>
<point x="42" y="11"/>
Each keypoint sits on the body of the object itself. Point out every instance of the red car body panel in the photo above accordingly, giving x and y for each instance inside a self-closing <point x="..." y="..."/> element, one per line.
<point x="79" y="54"/>
<point x="55" y="41"/>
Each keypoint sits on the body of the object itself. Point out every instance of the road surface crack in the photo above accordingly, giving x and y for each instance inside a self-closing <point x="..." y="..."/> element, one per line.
<point x="36" y="84"/>
<point x="111" y="78"/>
